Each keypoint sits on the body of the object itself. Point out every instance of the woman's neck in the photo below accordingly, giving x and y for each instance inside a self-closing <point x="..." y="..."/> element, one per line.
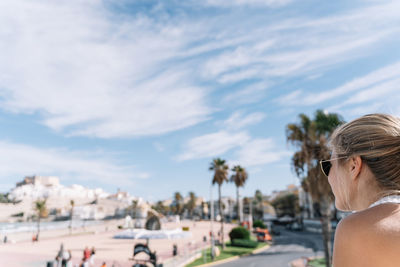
<point x="368" y="192"/>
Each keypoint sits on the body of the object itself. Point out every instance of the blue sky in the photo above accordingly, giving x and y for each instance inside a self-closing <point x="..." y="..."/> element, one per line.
<point x="142" y="95"/>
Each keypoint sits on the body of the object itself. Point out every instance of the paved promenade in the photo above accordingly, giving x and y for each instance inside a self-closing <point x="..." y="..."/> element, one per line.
<point x="24" y="253"/>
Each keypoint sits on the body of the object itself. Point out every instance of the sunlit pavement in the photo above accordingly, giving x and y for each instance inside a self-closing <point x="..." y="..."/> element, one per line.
<point x="287" y="247"/>
<point x="24" y="253"/>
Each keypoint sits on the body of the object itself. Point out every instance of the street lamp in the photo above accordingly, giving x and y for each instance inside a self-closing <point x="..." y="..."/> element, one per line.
<point x="211" y="223"/>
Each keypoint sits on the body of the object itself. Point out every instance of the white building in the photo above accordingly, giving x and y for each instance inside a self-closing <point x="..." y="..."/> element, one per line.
<point x="88" y="203"/>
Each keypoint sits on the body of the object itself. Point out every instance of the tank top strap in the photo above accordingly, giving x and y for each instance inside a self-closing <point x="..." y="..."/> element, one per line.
<point x="387" y="199"/>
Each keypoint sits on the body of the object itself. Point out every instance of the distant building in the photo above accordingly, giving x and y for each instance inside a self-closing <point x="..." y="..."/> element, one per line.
<point x="228" y="207"/>
<point x="306" y="204"/>
<point x="48" y="181"/>
<point x="310" y="209"/>
<point x="27" y="180"/>
<point x="290" y="189"/>
<point x="118" y="196"/>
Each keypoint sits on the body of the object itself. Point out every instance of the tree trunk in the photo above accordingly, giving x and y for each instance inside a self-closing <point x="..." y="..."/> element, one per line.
<point x="326" y="230"/>
<point x="238" y="205"/>
<point x="37" y="236"/>
<point x="70" y="222"/>
<point x="222" y="217"/>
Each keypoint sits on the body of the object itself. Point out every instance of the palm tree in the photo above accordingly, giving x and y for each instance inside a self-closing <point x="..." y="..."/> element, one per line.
<point x="239" y="178"/>
<point x="310" y="138"/>
<point x="220" y="169"/>
<point x="178" y="202"/>
<point x="159" y="207"/>
<point x="72" y="202"/>
<point x="192" y="203"/>
<point x="258" y="197"/>
<point x="134" y="208"/>
<point x="41" y="209"/>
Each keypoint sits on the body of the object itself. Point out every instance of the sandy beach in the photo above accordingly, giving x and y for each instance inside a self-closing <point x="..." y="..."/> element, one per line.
<point x="22" y="252"/>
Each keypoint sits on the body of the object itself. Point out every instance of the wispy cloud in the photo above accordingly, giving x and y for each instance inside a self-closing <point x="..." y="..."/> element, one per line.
<point x="239" y="120"/>
<point x="160" y="147"/>
<point x="87" y="72"/>
<point x="259" y="152"/>
<point x="285" y="54"/>
<point x="19" y="160"/>
<point x="268" y="3"/>
<point x="377" y="79"/>
<point x="249" y="94"/>
<point x="382" y="97"/>
<point x="212" y="145"/>
<point x="374" y="93"/>
<point x="246" y="151"/>
<point x="84" y="70"/>
<point x="290" y="99"/>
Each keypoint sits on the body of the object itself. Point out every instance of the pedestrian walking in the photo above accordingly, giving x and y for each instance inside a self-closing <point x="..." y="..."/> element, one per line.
<point x="86" y="254"/>
<point x="174" y="250"/>
<point x="364" y="174"/>
<point x="92" y="255"/>
<point x="59" y="256"/>
<point x="66" y="258"/>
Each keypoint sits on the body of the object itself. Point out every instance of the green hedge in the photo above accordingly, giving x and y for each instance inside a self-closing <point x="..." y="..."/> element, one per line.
<point x="244" y="243"/>
<point x="259" y="223"/>
<point x="239" y="233"/>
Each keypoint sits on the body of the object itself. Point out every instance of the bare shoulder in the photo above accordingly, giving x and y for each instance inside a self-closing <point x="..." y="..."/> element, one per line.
<point x="369" y="238"/>
<point x="380" y="221"/>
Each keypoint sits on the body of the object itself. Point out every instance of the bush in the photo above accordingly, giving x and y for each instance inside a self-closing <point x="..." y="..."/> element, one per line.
<point x="239" y="233"/>
<point x="19" y="214"/>
<point x="245" y="243"/>
<point x="259" y="224"/>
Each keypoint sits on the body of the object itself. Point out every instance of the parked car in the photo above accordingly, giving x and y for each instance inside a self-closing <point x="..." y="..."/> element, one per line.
<point x="262" y="235"/>
<point x="295" y="226"/>
<point x="274" y="229"/>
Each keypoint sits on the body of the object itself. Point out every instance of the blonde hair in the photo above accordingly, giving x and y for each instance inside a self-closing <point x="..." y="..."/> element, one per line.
<point x="376" y="139"/>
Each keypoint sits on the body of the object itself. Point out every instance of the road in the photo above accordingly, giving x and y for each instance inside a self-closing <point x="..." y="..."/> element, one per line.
<point x="288" y="246"/>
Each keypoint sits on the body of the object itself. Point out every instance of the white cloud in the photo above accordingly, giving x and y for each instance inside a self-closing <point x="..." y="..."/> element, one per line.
<point x="18" y="160"/>
<point x="259" y="152"/>
<point x="268" y="3"/>
<point x="240" y="75"/>
<point x="212" y="145"/>
<point x="362" y="110"/>
<point x="86" y="72"/>
<point x="324" y="43"/>
<point x="159" y="146"/>
<point x="247" y="151"/>
<point x="378" y="77"/>
<point x="375" y="92"/>
<point x="290" y="99"/>
<point x="247" y="95"/>
<point x="383" y="97"/>
<point x="238" y="120"/>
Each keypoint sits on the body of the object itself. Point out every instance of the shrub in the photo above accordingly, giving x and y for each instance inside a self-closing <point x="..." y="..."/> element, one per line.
<point x="245" y="243"/>
<point x="19" y="214"/>
<point x="239" y="233"/>
<point x="259" y="223"/>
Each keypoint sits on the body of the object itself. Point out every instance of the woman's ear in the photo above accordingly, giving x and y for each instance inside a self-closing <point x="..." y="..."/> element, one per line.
<point x="355" y="164"/>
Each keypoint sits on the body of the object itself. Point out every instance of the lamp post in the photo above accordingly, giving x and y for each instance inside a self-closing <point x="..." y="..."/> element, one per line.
<point x="240" y="210"/>
<point x="211" y="223"/>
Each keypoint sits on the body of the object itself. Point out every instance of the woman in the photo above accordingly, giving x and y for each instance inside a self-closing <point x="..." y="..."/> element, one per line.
<point x="364" y="173"/>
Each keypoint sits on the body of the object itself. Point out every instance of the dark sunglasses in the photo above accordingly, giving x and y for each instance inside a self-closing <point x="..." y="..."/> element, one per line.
<point x="326" y="165"/>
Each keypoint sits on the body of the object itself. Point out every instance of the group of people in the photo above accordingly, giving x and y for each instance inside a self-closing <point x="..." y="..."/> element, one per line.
<point x="88" y="257"/>
<point x="64" y="258"/>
